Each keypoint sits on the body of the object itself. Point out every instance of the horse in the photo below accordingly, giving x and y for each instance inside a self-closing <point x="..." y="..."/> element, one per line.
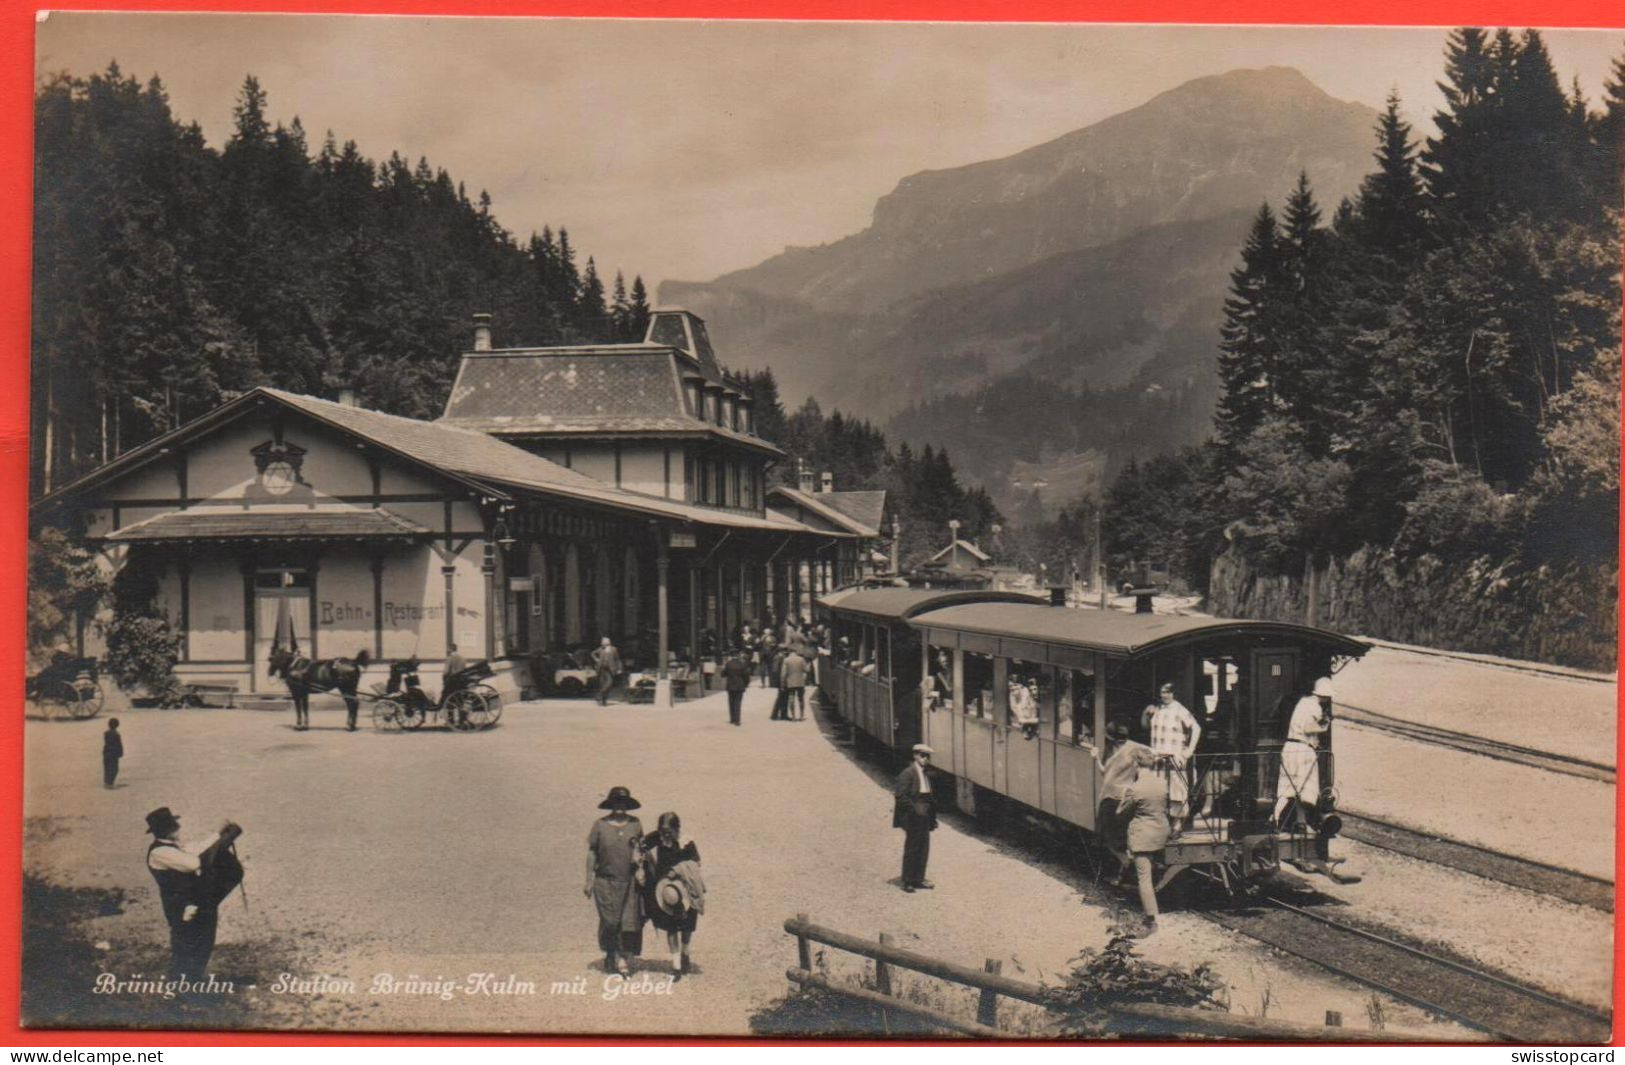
<point x="303" y="676"/>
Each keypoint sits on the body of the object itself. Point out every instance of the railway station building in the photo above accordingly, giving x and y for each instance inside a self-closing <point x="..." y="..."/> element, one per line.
<point x="566" y="493"/>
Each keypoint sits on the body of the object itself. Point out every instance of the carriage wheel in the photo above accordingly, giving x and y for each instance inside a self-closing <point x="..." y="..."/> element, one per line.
<point x="571" y="687"/>
<point x="489" y="709"/>
<point x="413" y="716"/>
<point x="462" y="709"/>
<point x="388" y="716"/>
<point x="60" y="700"/>
<point x="89" y="701"/>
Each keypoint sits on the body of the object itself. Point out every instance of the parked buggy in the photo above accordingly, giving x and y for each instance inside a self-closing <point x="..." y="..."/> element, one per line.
<point x="467" y="704"/>
<point x="67" y="688"/>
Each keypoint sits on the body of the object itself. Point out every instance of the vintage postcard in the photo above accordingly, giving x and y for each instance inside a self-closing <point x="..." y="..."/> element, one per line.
<point x="790" y="529"/>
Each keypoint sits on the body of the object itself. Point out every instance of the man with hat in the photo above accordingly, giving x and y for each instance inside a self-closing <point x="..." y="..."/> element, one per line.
<point x="916" y="814"/>
<point x="189" y="896"/>
<point x="736" y="679"/>
<point x="1120" y="769"/>
<point x="1299" y="781"/>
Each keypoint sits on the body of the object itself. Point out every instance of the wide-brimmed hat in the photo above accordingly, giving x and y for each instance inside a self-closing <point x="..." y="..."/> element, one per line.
<point x="920" y="748"/>
<point x="1323" y="688"/>
<point x="619" y="799"/>
<point x="162" y="820"/>
<point x="673" y="897"/>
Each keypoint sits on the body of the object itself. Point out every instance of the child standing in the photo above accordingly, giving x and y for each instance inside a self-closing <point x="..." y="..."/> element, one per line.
<point x="112" y="751"/>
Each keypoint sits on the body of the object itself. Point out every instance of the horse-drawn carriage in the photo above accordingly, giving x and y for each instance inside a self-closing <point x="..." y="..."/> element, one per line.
<point x="466" y="704"/>
<point x="67" y="688"/>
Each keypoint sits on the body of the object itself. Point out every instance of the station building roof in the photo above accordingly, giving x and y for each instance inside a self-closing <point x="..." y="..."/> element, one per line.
<point x="260" y="523"/>
<point x="476" y="459"/>
<point x="839" y="508"/>
<point x="1112" y="631"/>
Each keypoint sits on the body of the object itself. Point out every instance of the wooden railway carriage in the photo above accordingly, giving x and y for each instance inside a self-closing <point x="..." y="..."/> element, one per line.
<point x="1084" y="668"/>
<point x="870" y="625"/>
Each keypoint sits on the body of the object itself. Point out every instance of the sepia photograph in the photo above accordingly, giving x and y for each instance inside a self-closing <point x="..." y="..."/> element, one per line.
<point x="810" y="530"/>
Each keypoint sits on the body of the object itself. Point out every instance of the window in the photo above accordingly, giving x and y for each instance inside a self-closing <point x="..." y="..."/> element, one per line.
<point x="882" y="653"/>
<point x="696" y="402"/>
<point x="705" y="482"/>
<point x="1031" y="697"/>
<point x="279" y="578"/>
<point x="737" y="488"/>
<point x="978" y="685"/>
<point x="939" y="682"/>
<point x="1075" y="700"/>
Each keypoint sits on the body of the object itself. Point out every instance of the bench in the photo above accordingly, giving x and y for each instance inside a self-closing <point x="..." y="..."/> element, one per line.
<point x="197" y="693"/>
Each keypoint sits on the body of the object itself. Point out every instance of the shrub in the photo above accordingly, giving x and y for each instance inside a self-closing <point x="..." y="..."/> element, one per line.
<point x="142" y="651"/>
<point x="64" y="583"/>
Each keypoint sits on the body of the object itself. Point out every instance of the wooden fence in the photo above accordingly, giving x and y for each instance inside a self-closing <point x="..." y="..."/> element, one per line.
<point x="1138" y="1018"/>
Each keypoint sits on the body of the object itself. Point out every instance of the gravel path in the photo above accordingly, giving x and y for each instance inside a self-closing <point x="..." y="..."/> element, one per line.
<point x="436" y="855"/>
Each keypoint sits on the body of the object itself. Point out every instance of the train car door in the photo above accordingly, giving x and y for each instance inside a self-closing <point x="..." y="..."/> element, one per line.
<point x="905" y="687"/>
<point x="937" y="712"/>
<point x="1031" y="723"/>
<point x="1274" y="688"/>
<point x="979" y="697"/>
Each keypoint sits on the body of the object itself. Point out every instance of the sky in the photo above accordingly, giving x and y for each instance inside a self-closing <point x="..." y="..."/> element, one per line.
<point x="684" y="150"/>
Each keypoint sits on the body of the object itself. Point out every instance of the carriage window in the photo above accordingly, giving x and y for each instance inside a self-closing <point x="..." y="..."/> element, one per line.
<point x="940" y="678"/>
<point x="882" y="655"/>
<point x="979" y="685"/>
<point x="1031" y="696"/>
<point x="1075" y="699"/>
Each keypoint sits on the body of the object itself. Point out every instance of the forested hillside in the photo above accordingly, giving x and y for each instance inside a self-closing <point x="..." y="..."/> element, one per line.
<point x="1430" y="370"/>
<point x="168" y="274"/>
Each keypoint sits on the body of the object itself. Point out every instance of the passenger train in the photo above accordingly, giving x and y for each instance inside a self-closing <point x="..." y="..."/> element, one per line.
<point x="913" y="665"/>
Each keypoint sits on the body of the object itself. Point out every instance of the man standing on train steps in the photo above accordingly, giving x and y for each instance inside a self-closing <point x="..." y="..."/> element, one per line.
<point x="1174" y="736"/>
<point x="915" y="813"/>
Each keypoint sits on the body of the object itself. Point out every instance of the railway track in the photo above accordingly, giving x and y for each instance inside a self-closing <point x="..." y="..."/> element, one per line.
<point x="1539" y="877"/>
<point x="1449" y="986"/>
<point x="1462" y="741"/>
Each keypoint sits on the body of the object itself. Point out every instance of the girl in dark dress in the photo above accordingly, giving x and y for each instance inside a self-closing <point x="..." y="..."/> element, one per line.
<point x="614" y="879"/>
<point x="663" y="849"/>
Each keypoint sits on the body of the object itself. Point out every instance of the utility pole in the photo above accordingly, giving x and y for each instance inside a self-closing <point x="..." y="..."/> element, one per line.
<point x="1100" y="552"/>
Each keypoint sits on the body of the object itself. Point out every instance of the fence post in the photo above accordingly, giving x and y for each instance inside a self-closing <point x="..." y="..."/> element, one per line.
<point x="882" y="970"/>
<point x="803" y="946"/>
<point x="987" y="1007"/>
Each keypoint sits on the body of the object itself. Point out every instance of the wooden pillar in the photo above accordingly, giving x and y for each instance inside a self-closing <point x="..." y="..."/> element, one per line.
<point x="185" y="569"/>
<point x="488" y="569"/>
<point x="662" y="575"/>
<point x="378" y="606"/>
<point x="249" y="608"/>
<point x="450" y="572"/>
<point x="695" y="605"/>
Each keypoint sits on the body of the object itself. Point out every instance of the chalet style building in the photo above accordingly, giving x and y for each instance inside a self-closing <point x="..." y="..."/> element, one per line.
<point x="566" y="493"/>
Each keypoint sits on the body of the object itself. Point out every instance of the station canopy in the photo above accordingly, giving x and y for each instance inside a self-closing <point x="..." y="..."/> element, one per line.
<point x="1112" y="631"/>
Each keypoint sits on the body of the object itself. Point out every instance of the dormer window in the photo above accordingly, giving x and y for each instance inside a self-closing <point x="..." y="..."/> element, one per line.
<point x="696" y="401"/>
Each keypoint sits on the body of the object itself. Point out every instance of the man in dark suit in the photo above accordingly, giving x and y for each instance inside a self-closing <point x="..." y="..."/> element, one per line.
<point x="736" y="674"/>
<point x="916" y="814"/>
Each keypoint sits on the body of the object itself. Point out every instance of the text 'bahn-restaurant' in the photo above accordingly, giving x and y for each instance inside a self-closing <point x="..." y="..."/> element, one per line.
<point x="566" y="493"/>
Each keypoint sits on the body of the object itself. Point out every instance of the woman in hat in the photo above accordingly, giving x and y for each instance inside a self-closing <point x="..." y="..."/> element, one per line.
<point x="612" y="879"/>
<point x="673" y="894"/>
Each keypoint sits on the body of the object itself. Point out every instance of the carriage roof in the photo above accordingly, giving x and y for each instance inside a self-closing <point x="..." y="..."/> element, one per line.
<point x="1117" y="633"/>
<point x="897" y="604"/>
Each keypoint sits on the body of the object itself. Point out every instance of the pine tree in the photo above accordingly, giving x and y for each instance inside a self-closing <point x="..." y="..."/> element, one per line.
<point x="1248" y="345"/>
<point x="639" y="309"/>
<point x="620" y="313"/>
<point x="1388" y="213"/>
<point x="1457" y="165"/>
<point x="591" y="313"/>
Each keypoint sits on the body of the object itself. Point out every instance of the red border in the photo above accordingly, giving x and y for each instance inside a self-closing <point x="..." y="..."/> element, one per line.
<point x="16" y="96"/>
